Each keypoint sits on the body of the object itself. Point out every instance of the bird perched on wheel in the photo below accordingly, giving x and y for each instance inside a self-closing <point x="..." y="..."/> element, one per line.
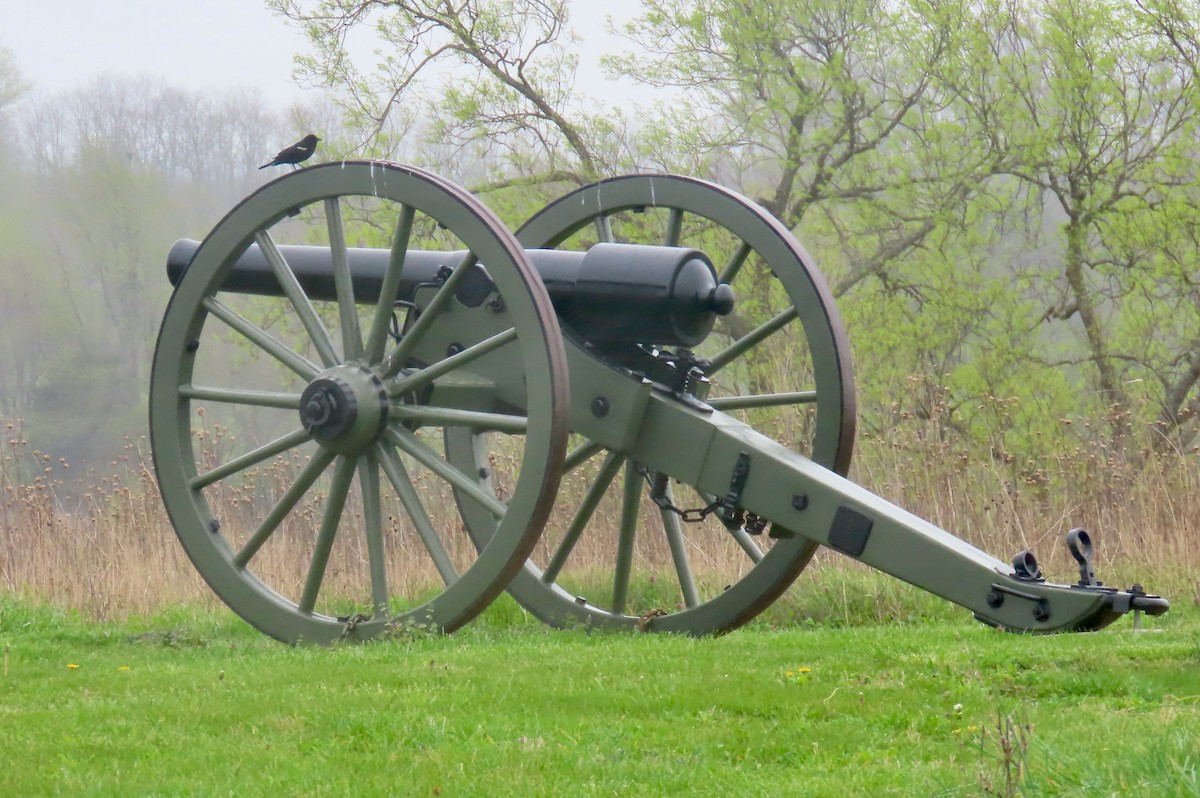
<point x="302" y="150"/>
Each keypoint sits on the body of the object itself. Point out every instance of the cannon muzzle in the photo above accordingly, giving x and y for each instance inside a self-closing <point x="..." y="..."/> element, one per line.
<point x="611" y="294"/>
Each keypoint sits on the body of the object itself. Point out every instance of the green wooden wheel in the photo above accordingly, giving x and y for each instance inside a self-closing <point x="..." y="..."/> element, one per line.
<point x="290" y="433"/>
<point x="781" y="362"/>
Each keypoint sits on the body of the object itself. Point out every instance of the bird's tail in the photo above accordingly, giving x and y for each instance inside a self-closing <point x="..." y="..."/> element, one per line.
<point x="264" y="166"/>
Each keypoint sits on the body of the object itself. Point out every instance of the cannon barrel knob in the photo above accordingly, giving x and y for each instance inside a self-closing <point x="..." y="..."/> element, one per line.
<point x="721" y="300"/>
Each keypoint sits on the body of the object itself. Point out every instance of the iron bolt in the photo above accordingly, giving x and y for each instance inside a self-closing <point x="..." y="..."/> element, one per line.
<point x="1041" y="611"/>
<point x="599" y="407"/>
<point x="800" y="501"/>
<point x="995" y="599"/>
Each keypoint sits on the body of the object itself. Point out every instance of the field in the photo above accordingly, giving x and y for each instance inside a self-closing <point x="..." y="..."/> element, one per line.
<point x="121" y="675"/>
<point x="192" y="702"/>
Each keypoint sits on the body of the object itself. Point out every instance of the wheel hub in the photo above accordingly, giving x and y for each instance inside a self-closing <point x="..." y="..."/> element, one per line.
<point x="345" y="408"/>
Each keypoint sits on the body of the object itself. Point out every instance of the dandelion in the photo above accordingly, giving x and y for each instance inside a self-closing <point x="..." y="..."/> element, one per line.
<point x="72" y="666"/>
<point x="797" y="674"/>
<point x="123" y="668"/>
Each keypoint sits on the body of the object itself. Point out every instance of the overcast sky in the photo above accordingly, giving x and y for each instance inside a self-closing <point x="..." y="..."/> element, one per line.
<point x="208" y="44"/>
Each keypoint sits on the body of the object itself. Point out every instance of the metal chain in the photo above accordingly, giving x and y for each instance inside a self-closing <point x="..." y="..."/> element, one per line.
<point x="351" y="624"/>
<point x="658" y="495"/>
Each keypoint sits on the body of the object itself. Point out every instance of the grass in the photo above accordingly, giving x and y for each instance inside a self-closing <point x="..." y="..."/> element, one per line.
<point x="122" y="675"/>
<point x="192" y="702"/>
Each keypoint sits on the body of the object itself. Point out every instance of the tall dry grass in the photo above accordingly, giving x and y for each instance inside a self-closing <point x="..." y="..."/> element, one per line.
<point x="99" y="542"/>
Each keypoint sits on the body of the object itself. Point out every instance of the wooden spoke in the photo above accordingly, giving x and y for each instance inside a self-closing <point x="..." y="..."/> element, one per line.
<point x="293" y="494"/>
<point x="238" y="464"/>
<point x="420" y="379"/>
<point x="630" y="502"/>
<point x="300" y="301"/>
<point x="751" y="339"/>
<point x="762" y="400"/>
<point x="608" y="472"/>
<point x="397" y="474"/>
<point x="413" y="336"/>
<point x="377" y="337"/>
<point x="352" y="341"/>
<point x="284" y="401"/>
<point x="343" y="474"/>
<point x="264" y="340"/>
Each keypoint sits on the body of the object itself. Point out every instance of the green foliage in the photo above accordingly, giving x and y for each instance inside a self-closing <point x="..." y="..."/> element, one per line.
<point x="1001" y="193"/>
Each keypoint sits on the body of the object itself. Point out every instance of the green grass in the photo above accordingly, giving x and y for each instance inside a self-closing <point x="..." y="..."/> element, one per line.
<point x="192" y="702"/>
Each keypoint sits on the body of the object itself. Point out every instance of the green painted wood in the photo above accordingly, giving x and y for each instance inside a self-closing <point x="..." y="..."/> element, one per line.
<point x="530" y="351"/>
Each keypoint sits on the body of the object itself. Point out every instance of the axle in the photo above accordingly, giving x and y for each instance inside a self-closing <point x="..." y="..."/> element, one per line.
<point x="611" y="294"/>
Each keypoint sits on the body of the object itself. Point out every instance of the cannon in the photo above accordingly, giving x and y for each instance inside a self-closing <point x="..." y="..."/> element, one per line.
<point x="574" y="413"/>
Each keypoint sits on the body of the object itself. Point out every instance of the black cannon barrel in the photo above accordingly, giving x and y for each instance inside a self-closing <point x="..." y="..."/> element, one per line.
<point x="613" y="293"/>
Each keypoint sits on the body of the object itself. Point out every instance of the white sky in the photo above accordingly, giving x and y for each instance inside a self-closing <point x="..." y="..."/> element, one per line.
<point x="212" y="44"/>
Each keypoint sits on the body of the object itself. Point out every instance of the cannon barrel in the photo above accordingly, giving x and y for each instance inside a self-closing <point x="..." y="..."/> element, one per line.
<point x="610" y="294"/>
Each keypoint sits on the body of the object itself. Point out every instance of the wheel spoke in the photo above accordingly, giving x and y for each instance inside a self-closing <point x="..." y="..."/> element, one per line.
<point x="420" y="379"/>
<point x="397" y="474"/>
<point x="750" y="339"/>
<point x="277" y="446"/>
<point x="604" y="233"/>
<point x="735" y="262"/>
<point x="343" y="474"/>
<point x="453" y="417"/>
<point x="748" y="544"/>
<point x="673" y="527"/>
<point x="300" y="301"/>
<point x="265" y="341"/>
<point x="630" y="503"/>
<point x="423" y="454"/>
<point x="762" y="400"/>
<point x="304" y="481"/>
<point x="674" y="228"/>
<point x="608" y="471"/>
<point x="390" y="287"/>
<point x="581" y="454"/>
<point x="414" y="334"/>
<point x="285" y="401"/>
<point x="739" y="534"/>
<point x="368" y="478"/>
<point x="352" y="343"/>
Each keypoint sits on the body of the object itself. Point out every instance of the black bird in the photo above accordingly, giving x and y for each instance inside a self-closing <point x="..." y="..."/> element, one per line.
<point x="302" y="150"/>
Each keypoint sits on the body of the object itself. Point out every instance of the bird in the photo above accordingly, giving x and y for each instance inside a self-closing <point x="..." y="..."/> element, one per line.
<point x="302" y="150"/>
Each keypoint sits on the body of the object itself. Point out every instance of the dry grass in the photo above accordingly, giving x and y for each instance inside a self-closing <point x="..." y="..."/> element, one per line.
<point x="99" y="542"/>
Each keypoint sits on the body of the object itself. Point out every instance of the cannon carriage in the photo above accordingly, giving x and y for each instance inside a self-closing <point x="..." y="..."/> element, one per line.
<point x="616" y="343"/>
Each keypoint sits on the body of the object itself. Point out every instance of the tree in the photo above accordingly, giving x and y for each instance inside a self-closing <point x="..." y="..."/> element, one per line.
<point x="1095" y="114"/>
<point x="512" y="93"/>
<point x="12" y="85"/>
<point x="104" y="179"/>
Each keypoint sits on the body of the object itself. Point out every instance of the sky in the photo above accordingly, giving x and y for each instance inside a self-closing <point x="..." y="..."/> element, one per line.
<point x="211" y="44"/>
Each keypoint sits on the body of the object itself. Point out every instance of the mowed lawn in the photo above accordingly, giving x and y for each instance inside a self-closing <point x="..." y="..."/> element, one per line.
<point x="195" y="703"/>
